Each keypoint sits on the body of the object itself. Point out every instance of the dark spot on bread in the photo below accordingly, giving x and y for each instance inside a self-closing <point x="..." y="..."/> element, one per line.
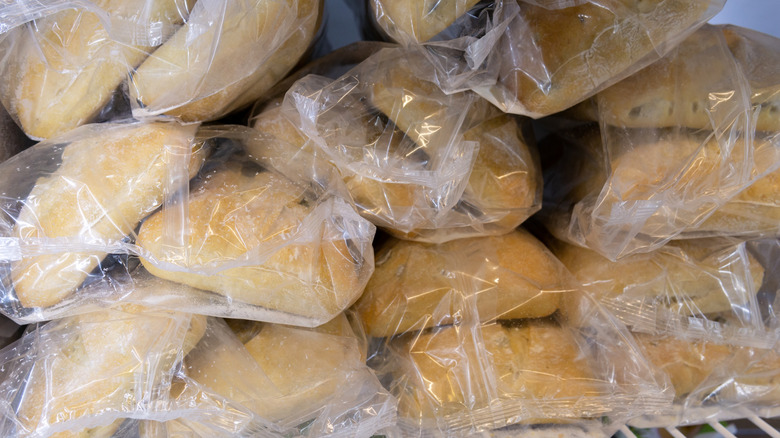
<point x="695" y="107"/>
<point x="635" y="112"/>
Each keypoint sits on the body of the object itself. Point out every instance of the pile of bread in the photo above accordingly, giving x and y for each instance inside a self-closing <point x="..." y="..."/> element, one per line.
<point x="521" y="217"/>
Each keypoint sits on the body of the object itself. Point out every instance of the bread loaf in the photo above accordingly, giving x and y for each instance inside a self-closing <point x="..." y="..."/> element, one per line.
<point x="417" y="286"/>
<point x="243" y="225"/>
<point x="111" y="177"/>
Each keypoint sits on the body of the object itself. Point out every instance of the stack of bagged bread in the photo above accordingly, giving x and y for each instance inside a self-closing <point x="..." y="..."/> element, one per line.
<point x="574" y="207"/>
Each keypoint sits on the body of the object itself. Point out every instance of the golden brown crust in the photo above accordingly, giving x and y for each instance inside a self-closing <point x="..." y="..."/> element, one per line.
<point x="107" y="183"/>
<point x="586" y="46"/>
<point x="415" y="286"/>
<point x="677" y="90"/>
<point x="535" y="362"/>
<point x="66" y="72"/>
<point x="153" y="82"/>
<point x="98" y="369"/>
<point x="419" y="20"/>
<point x="297" y="369"/>
<point x="684" y="276"/>
<point x="236" y="211"/>
<point x="687" y="364"/>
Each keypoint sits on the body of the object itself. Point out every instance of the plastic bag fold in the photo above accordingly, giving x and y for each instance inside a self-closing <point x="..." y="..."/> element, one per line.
<point x="479" y="334"/>
<point x="73" y="62"/>
<point x="686" y="161"/>
<point x="422" y="164"/>
<point x="243" y="241"/>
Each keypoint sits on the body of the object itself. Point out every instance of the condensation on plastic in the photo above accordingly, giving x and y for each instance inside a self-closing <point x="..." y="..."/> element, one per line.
<point x="294" y="381"/>
<point x="72" y="62"/>
<point x="466" y="345"/>
<point x="538" y="58"/>
<point x="261" y="246"/>
<point x="424" y="165"/>
<point x="632" y="189"/>
<point x="91" y="371"/>
<point x="707" y="290"/>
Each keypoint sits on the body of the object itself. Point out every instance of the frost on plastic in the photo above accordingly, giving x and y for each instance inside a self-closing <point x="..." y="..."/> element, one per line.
<point x="71" y="62"/>
<point x="483" y="333"/>
<point x="244" y="241"/>
<point x="672" y="161"/>
<point x="424" y="165"/>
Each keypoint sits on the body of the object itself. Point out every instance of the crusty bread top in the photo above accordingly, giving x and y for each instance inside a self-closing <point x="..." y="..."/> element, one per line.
<point x="418" y="20"/>
<point x="454" y="370"/>
<point x="109" y="180"/>
<point x="680" y="89"/>
<point x="583" y="48"/>
<point x="417" y="286"/>
<point x="684" y="276"/>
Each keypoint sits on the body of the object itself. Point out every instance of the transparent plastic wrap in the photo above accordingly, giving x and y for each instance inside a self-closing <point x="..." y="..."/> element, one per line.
<point x="72" y="62"/>
<point x="537" y="58"/>
<point x="424" y="165"/>
<point x="482" y="333"/>
<point x="713" y="382"/>
<point x="256" y="243"/>
<point x="415" y="21"/>
<point x="294" y="381"/>
<point x="698" y="155"/>
<point x="707" y="290"/>
<point x="81" y="376"/>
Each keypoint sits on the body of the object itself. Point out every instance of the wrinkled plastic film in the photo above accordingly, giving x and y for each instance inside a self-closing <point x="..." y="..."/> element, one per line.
<point x="92" y="370"/>
<point x="71" y="63"/>
<point x="468" y="335"/>
<point x="413" y="159"/>
<point x="650" y="177"/>
<point x="710" y="290"/>
<point x="302" y="261"/>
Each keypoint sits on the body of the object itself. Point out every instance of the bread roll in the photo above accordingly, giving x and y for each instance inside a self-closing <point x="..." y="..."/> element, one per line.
<point x="449" y="375"/>
<point x="417" y="286"/>
<point x="256" y="232"/>
<point x="111" y="177"/>
<point x="294" y="372"/>
<point x="686" y="278"/>
<point x="580" y="49"/>
<point x="206" y="71"/>
<point x="678" y="89"/>
<point x="418" y="20"/>
<point x="688" y="364"/>
<point x="63" y="70"/>
<point x="111" y="362"/>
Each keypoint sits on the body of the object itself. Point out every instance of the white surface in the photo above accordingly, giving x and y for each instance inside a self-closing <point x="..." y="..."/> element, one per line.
<point x="761" y="15"/>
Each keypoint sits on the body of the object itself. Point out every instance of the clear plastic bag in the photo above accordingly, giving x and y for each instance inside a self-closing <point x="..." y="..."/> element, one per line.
<point x="635" y="187"/>
<point x="260" y="245"/>
<point x="72" y="62"/>
<point x="422" y="164"/>
<point x="480" y="334"/>
<point x="90" y="371"/>
<point x="413" y="21"/>
<point x="297" y="382"/>
<point x="698" y="290"/>
<point x="538" y="58"/>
